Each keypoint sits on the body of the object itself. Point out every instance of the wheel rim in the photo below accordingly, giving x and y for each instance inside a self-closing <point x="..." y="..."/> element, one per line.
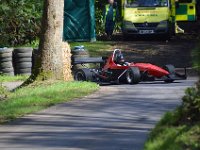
<point x="129" y="76"/>
<point x="80" y="77"/>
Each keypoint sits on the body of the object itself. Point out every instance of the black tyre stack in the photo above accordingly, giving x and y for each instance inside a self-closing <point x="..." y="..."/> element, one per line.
<point x="6" y="65"/>
<point x="23" y="61"/>
<point x="79" y="52"/>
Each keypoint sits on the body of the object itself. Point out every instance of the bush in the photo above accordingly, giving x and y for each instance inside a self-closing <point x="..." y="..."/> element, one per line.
<point x="196" y="57"/>
<point x="20" y="21"/>
<point x="191" y="104"/>
<point x="99" y="21"/>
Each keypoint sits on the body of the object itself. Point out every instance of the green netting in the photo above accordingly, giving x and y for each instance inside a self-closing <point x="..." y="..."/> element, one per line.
<point x="79" y="20"/>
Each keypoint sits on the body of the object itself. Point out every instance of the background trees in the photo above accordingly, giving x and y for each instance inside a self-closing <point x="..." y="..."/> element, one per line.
<point x="20" y="21"/>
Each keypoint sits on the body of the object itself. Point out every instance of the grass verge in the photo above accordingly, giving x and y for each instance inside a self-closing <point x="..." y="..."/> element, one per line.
<point x="40" y="96"/>
<point x="5" y="78"/>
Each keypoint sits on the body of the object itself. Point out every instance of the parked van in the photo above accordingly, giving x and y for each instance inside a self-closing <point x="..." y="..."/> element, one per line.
<point x="156" y="17"/>
<point x="186" y="10"/>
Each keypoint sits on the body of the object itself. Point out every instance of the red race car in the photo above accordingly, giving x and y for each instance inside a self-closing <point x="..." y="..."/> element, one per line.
<point x="115" y="69"/>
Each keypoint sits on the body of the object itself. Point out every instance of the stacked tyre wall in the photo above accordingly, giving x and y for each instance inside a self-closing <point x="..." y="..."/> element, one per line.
<point x="6" y="64"/>
<point x="79" y="52"/>
<point x="22" y="60"/>
<point x="19" y="61"/>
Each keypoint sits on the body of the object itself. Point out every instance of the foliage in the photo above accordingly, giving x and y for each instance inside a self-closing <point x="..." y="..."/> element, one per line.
<point x="169" y="137"/>
<point x="196" y="57"/>
<point x="41" y="95"/>
<point x="179" y="129"/>
<point x="20" y="21"/>
<point x="191" y="104"/>
<point x="99" y="22"/>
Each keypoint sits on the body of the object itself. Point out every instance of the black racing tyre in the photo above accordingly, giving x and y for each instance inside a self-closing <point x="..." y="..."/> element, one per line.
<point x="83" y="74"/>
<point x="79" y="53"/>
<point x="23" y="50"/>
<point x="5" y="55"/>
<point x="6" y="65"/>
<point x="23" y="71"/>
<point x="133" y="75"/>
<point x="21" y="60"/>
<point x="171" y="70"/>
<point x="7" y="50"/>
<point x="7" y="70"/>
<point x="5" y="59"/>
<point x="23" y="65"/>
<point x="23" y="55"/>
<point x="8" y="73"/>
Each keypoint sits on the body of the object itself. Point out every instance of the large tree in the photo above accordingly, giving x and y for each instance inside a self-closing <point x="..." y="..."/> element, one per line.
<point x="54" y="61"/>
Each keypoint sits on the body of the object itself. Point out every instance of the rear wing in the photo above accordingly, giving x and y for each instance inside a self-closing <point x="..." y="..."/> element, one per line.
<point x="87" y="60"/>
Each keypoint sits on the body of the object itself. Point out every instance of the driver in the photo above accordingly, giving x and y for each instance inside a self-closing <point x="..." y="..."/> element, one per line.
<point x="119" y="59"/>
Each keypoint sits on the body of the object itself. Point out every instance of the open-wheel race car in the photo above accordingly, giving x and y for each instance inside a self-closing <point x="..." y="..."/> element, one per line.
<point x="115" y="69"/>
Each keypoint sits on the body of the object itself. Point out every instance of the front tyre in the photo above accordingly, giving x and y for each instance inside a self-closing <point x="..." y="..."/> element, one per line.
<point x="133" y="75"/>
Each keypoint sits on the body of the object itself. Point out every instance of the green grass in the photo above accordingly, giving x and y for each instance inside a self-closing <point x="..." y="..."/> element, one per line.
<point x="99" y="48"/>
<point x="40" y="96"/>
<point x="5" y="78"/>
<point x="170" y="134"/>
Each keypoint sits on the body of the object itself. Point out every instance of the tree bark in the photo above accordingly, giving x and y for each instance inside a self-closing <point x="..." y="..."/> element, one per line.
<point x="54" y="61"/>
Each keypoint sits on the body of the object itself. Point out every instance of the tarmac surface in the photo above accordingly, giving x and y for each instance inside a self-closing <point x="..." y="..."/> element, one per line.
<point x="117" y="117"/>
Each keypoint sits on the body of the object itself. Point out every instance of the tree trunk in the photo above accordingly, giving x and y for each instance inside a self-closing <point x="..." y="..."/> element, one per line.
<point x="54" y="61"/>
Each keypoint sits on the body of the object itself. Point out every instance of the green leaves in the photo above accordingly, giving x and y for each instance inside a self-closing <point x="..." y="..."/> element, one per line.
<point x="191" y="104"/>
<point x="19" y="21"/>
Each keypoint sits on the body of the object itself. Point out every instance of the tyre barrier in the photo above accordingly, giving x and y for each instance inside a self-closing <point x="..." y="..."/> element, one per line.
<point x="6" y="65"/>
<point x="79" y="52"/>
<point x="22" y="60"/>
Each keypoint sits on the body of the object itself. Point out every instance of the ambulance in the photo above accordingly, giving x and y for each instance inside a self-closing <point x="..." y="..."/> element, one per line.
<point x="155" y="17"/>
<point x="186" y="10"/>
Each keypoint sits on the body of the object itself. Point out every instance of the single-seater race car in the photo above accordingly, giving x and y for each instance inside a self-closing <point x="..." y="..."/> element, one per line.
<point x="115" y="69"/>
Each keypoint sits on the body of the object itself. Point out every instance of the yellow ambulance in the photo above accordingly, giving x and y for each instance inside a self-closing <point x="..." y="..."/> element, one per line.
<point x="186" y="10"/>
<point x="155" y="17"/>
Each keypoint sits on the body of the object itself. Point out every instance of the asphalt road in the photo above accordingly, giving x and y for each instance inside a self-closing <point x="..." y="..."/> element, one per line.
<point x="118" y="117"/>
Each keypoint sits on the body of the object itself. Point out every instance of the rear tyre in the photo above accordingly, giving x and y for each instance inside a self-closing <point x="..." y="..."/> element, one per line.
<point x="83" y="74"/>
<point x="171" y="70"/>
<point x="133" y="75"/>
